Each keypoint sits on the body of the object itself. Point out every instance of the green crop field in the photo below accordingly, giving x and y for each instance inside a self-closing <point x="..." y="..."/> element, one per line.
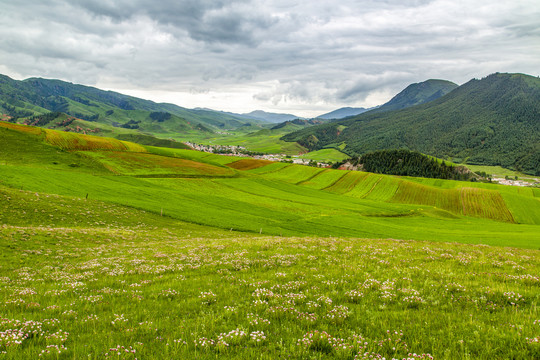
<point x="140" y="252"/>
<point x="349" y="181"/>
<point x="265" y="141"/>
<point x="323" y="179"/>
<point x="270" y="168"/>
<point x="325" y="155"/>
<point x="294" y="173"/>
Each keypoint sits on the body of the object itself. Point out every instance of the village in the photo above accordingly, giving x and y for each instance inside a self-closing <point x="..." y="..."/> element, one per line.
<point x="236" y="150"/>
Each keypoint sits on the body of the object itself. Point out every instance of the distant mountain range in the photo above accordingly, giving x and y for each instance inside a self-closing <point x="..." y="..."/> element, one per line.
<point x="342" y="113"/>
<point x="270" y="117"/>
<point x="492" y="121"/>
<point x="36" y="96"/>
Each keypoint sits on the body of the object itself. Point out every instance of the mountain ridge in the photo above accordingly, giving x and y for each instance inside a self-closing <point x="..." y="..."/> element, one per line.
<point x="492" y="121"/>
<point x="36" y="96"/>
<point x="342" y="113"/>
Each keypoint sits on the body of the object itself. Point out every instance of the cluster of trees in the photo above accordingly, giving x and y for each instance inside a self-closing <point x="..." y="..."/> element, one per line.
<point x="160" y="116"/>
<point x="409" y="163"/>
<point x="131" y="124"/>
<point x="86" y="117"/>
<point x="15" y="112"/>
<point x="42" y="120"/>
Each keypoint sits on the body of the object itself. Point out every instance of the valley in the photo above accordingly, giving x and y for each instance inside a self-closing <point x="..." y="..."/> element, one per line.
<point x="137" y="246"/>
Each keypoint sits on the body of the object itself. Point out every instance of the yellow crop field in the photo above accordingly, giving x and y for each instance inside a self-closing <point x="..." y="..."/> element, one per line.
<point x="22" y="128"/>
<point x="467" y="201"/>
<point x="145" y="164"/>
<point x="73" y="141"/>
<point x="413" y="193"/>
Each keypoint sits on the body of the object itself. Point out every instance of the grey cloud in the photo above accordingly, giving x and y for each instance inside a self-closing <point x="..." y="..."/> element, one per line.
<point x="283" y="53"/>
<point x="228" y="22"/>
<point x="360" y="87"/>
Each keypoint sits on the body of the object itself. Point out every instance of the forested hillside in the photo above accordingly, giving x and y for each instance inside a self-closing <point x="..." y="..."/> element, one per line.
<point x="36" y="96"/>
<point x="492" y="121"/>
<point x="417" y="94"/>
<point x="409" y="163"/>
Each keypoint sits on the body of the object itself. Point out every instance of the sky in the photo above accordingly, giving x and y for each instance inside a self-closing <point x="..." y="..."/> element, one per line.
<point x="284" y="56"/>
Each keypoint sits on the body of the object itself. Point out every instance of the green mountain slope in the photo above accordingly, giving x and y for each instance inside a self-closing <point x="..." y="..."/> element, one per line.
<point x="342" y="113"/>
<point x="417" y="94"/>
<point x="36" y="96"/>
<point x="492" y="121"/>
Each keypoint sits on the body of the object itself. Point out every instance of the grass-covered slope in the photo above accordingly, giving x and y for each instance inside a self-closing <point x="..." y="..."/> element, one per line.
<point x="137" y="254"/>
<point x="274" y="198"/>
<point x="417" y="94"/>
<point x="496" y="202"/>
<point x="117" y="283"/>
<point x="35" y="96"/>
<point x="493" y="121"/>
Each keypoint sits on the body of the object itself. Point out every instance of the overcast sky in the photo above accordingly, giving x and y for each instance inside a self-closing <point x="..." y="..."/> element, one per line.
<point x="301" y="57"/>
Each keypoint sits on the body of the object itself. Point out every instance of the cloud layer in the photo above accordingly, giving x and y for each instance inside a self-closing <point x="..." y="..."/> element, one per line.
<point x="275" y="55"/>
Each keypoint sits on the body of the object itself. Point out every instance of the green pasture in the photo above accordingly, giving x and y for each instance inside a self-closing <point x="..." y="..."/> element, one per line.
<point x="269" y="206"/>
<point x="323" y="179"/>
<point x="169" y="253"/>
<point x="496" y="171"/>
<point x="325" y="155"/>
<point x="265" y="141"/>
<point x="149" y="289"/>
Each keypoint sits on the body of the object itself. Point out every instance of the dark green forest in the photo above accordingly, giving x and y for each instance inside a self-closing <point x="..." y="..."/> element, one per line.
<point x="409" y="163"/>
<point x="492" y="121"/>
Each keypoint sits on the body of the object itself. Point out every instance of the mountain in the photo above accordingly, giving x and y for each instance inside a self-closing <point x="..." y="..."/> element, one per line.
<point x="342" y="113"/>
<point x="270" y="117"/>
<point x="298" y="123"/>
<point x="36" y="96"/>
<point x="414" y="94"/>
<point x="492" y="121"/>
<point x="418" y="93"/>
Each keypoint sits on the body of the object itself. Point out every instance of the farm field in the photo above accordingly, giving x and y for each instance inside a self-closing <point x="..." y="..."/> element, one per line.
<point x="148" y="253"/>
<point x="325" y="155"/>
<point x="266" y="141"/>
<point x="278" y="198"/>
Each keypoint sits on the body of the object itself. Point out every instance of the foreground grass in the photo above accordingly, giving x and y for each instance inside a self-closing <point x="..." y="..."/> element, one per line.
<point x="115" y="292"/>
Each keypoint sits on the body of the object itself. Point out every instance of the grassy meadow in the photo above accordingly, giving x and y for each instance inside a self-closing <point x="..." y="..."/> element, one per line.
<point x="116" y="250"/>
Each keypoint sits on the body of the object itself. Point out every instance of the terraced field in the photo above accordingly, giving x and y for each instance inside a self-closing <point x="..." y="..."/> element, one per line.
<point x="276" y="198"/>
<point x="143" y="164"/>
<point x="73" y="142"/>
<point x="488" y="201"/>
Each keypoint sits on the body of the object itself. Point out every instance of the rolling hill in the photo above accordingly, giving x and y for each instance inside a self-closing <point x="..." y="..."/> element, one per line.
<point x="492" y="121"/>
<point x="249" y="195"/>
<point x="111" y="249"/>
<point x="36" y="96"/>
